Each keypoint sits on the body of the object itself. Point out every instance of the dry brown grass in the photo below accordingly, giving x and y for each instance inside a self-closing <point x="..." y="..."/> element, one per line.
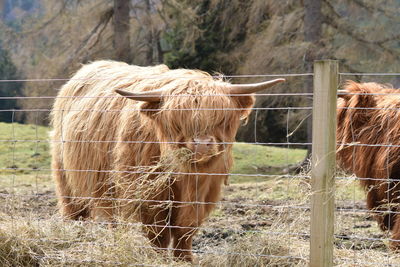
<point x="257" y="224"/>
<point x="54" y="243"/>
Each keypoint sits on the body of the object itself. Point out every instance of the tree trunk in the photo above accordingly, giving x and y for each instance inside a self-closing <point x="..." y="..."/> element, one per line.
<point x="121" y="30"/>
<point x="149" y="33"/>
<point x="312" y="21"/>
<point x="312" y="34"/>
<point x="160" y="53"/>
<point x="2" y="9"/>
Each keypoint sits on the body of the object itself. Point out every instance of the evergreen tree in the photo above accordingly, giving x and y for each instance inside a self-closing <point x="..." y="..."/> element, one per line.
<point x="8" y="89"/>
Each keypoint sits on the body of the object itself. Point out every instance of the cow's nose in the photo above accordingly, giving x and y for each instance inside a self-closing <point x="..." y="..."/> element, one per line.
<point x="205" y="140"/>
<point x="202" y="144"/>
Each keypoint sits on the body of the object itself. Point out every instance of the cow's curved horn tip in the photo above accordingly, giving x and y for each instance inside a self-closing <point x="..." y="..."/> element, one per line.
<point x="119" y="91"/>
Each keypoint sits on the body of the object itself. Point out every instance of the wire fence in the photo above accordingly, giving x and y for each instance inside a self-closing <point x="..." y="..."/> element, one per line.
<point x="262" y="218"/>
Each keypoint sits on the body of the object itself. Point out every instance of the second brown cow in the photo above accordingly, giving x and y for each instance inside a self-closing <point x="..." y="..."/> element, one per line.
<point x="368" y="135"/>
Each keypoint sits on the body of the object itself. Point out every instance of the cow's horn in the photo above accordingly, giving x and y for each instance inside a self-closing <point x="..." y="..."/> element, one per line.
<point x="149" y="96"/>
<point x="252" y="87"/>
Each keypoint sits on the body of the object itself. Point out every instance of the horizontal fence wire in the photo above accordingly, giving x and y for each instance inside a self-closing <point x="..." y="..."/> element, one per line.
<point x="155" y="172"/>
<point x="187" y="109"/>
<point x="151" y="142"/>
<point x="155" y="109"/>
<point x="355" y="144"/>
<point x="236" y="231"/>
<point x="365" y="263"/>
<point x="83" y="261"/>
<point x="143" y="96"/>
<point x="369" y="74"/>
<point x="218" y="203"/>
<point x="289" y="176"/>
<point x="215" y="252"/>
<point x="301" y="235"/>
<point x="188" y="95"/>
<point x="280" y="176"/>
<point x="158" y="76"/>
<point x="297" y="234"/>
<point x="200" y="77"/>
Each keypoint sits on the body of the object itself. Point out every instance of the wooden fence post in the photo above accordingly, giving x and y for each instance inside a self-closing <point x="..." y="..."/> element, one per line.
<point x="323" y="163"/>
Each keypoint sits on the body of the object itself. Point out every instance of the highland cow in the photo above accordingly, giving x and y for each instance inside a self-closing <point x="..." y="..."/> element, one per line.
<point x="368" y="134"/>
<point x="147" y="143"/>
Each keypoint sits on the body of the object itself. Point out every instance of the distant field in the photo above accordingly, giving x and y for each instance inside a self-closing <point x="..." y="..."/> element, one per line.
<point x="257" y="159"/>
<point x="26" y="148"/>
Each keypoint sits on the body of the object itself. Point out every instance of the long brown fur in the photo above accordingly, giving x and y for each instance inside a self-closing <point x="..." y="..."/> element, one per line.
<point x="102" y="142"/>
<point x="369" y="133"/>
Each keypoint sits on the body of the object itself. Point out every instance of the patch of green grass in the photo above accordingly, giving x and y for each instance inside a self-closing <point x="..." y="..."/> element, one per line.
<point x="24" y="148"/>
<point x="349" y="190"/>
<point x="258" y="159"/>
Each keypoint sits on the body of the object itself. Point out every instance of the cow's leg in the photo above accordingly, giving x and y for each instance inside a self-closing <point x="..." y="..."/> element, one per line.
<point x="157" y="228"/>
<point x="376" y="203"/>
<point x="182" y="244"/>
<point x="387" y="206"/>
<point x="159" y="236"/>
<point x="70" y="207"/>
<point x="185" y="225"/>
<point x="102" y="204"/>
<point x="188" y="217"/>
<point x="394" y="216"/>
<point x="102" y="211"/>
<point x="395" y="242"/>
<point x="392" y="194"/>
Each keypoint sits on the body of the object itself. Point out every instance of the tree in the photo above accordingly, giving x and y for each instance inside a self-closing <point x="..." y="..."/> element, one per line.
<point x="228" y="36"/>
<point x="121" y="40"/>
<point x="2" y="7"/>
<point x="313" y="19"/>
<point x="8" y="89"/>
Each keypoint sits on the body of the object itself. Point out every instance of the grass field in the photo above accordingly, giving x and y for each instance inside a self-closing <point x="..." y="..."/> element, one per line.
<point x="261" y="221"/>
<point x="26" y="148"/>
<point x="30" y="151"/>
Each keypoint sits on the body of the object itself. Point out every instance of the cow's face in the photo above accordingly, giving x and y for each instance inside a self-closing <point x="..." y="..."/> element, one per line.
<point x="200" y="115"/>
<point x="205" y="124"/>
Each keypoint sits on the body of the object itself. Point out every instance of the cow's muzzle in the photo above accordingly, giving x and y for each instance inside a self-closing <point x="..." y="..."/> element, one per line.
<point x="203" y="146"/>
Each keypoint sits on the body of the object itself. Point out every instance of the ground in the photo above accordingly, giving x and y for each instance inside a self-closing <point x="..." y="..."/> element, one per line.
<point x="262" y="220"/>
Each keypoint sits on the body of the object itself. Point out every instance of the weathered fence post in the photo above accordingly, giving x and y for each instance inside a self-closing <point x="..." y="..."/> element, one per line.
<point x="323" y="162"/>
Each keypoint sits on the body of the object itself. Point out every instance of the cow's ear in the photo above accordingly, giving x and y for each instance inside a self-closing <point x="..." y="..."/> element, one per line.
<point x="244" y="103"/>
<point x="341" y="104"/>
<point x="150" y="109"/>
<point x="359" y="94"/>
<point x="358" y="107"/>
<point x="345" y="96"/>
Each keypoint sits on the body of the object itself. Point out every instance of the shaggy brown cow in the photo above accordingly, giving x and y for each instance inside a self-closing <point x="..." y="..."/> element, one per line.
<point x="111" y="151"/>
<point x="368" y="132"/>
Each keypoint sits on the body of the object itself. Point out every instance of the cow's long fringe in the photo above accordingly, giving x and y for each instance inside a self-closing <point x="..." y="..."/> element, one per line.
<point x="142" y="192"/>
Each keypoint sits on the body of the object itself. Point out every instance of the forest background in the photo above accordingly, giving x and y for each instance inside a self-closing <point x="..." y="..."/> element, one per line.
<point x="47" y="39"/>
